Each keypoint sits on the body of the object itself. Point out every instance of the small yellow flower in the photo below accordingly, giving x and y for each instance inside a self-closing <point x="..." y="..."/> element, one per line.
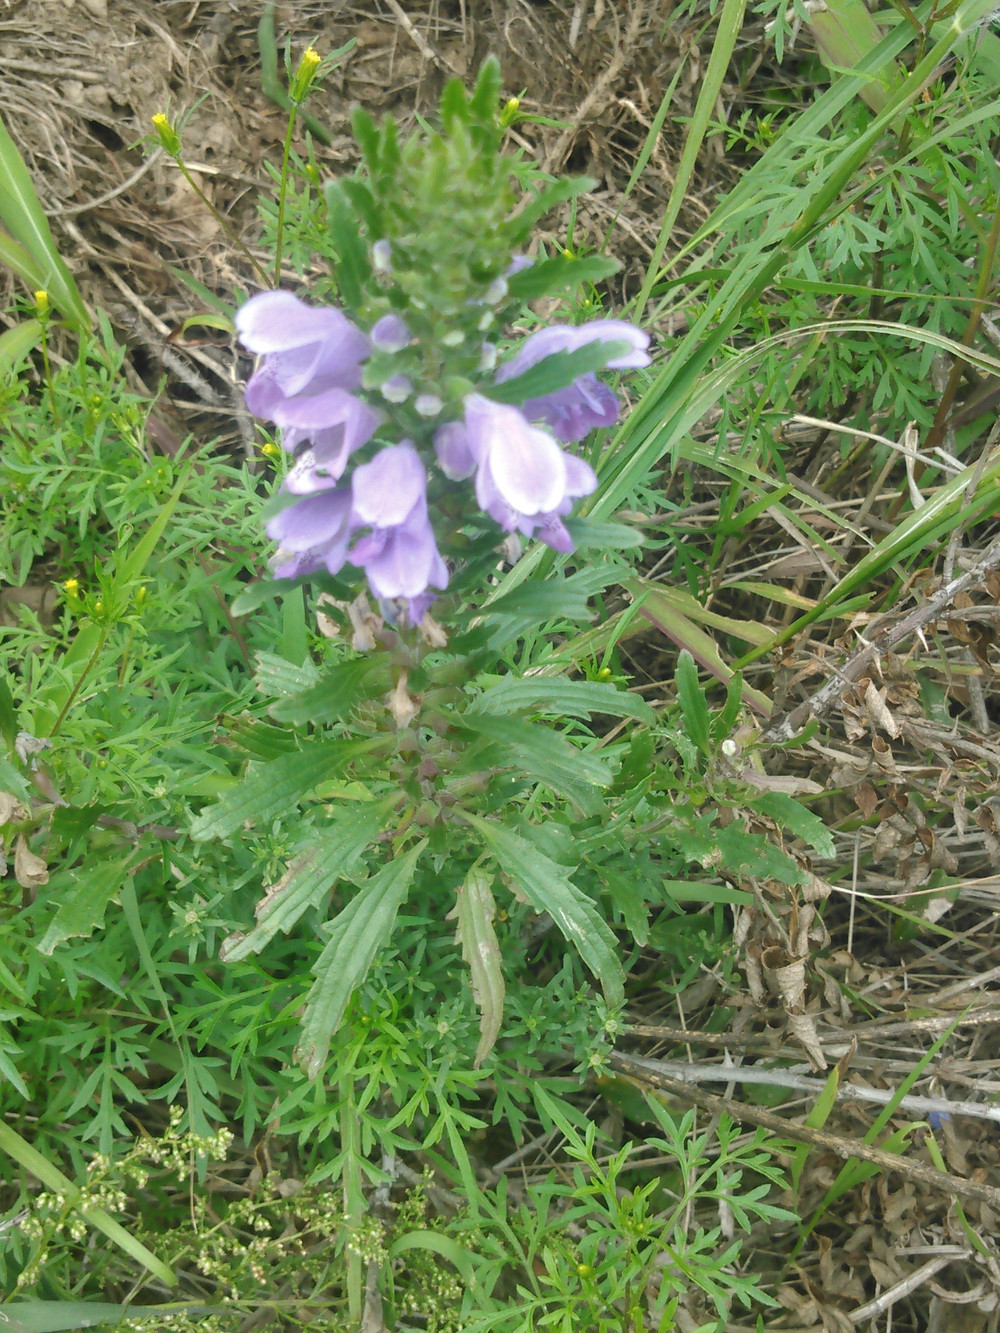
<point x="304" y="75"/>
<point x="42" y="302"/>
<point x="509" y="110"/>
<point x="270" y="450"/>
<point x="72" y="586"/>
<point x="604" y="673"/>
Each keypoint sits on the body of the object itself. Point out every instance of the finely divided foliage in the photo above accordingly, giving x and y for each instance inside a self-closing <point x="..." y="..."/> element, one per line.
<point x="346" y="868"/>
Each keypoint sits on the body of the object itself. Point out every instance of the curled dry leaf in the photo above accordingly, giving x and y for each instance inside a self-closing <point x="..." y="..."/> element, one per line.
<point x="402" y="705"/>
<point x="11" y="808"/>
<point x="30" y="870"/>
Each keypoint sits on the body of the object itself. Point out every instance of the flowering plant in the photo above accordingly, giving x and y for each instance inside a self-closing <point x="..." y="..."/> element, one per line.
<point x="419" y="458"/>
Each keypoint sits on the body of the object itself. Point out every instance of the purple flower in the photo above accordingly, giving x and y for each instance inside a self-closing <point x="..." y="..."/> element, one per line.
<point x="524" y="481"/>
<point x="399" y="555"/>
<point x="311" y="360"/>
<point x="578" y="407"/>
<point x="312" y="534"/>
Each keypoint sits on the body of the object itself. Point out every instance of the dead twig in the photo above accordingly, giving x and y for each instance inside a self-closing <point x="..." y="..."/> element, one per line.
<point x="942" y="1182"/>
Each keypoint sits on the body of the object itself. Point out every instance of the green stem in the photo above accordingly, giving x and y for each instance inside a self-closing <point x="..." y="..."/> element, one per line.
<point x="282" y="189"/>
<point x="79" y="684"/>
<point x="354" y="1199"/>
<point x="222" y="220"/>
<point x="48" y="369"/>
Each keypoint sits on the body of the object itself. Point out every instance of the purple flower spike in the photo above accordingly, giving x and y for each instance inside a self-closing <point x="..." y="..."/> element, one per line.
<point x="575" y="410"/>
<point x="399" y="556"/>
<point x="524" y="481"/>
<point x="390" y="334"/>
<point x="314" y="533"/>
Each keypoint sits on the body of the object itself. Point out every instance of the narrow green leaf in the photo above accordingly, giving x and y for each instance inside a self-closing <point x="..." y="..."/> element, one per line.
<point x="83" y="896"/>
<point x="356" y="935"/>
<point x="59" y="1316"/>
<point x="309" y="878"/>
<point x="794" y="816"/>
<point x="137" y="559"/>
<point x="590" y="534"/>
<point x="474" y="911"/>
<point x="694" y="891"/>
<point x="436" y="1243"/>
<point x="52" y="1178"/>
<point x="546" y="756"/>
<point x="17" y="342"/>
<point x="556" y="371"/>
<point x="15" y="257"/>
<point x="336" y="691"/>
<point x="561" y="697"/>
<point x="273" y="788"/>
<point x="21" y="214"/>
<point x="691" y="698"/>
<point x="8" y="713"/>
<point x="548" y="889"/>
<point x="560" y="272"/>
<point x="544" y="201"/>
<point x="353" y="269"/>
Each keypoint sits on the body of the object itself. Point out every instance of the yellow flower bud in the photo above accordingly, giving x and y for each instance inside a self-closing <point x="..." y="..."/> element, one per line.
<point x="72" y="586"/>
<point x="604" y="673"/>
<point x="270" y="450"/>
<point x="509" y="110"/>
<point x="166" y="134"/>
<point x="140" y="595"/>
<point x="42" y="302"/>
<point x="304" y="75"/>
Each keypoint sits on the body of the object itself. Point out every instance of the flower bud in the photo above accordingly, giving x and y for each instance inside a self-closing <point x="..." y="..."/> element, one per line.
<point x="167" y="135"/>
<point x="42" y="302"/>
<point x="397" y="389"/>
<point x="382" y="257"/>
<point x="428" y="405"/>
<point x="270" y="450"/>
<point x="509" y="110"/>
<point x="304" y="75"/>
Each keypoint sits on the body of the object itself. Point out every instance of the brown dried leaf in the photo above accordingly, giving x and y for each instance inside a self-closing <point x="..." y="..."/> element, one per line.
<point x="878" y="711"/>
<point x="30" y="870"/>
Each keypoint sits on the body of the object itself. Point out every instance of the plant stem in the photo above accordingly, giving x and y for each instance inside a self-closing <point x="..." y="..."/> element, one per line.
<point x="282" y="189"/>
<point x="222" y="220"/>
<point x="79" y="684"/>
<point x="354" y="1200"/>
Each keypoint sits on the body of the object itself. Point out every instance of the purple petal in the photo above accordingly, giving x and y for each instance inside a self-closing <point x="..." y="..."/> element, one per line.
<point x="576" y="410"/>
<point x="317" y="530"/>
<point x="390" y="487"/>
<point x="336" y="407"/>
<point x="279" y="321"/>
<point x="517" y="462"/>
<point x="451" y="445"/>
<point x="306" y="477"/>
<point x="407" y="563"/>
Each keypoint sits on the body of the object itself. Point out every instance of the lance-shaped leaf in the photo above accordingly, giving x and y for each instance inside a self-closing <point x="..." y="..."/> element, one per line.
<point x="546" y="756"/>
<point x="356" y="935"/>
<point x="22" y="215"/>
<point x="332" y="856"/>
<point x="273" y="788"/>
<point x="547" y="888"/>
<point x="556" y="371"/>
<point x="474" y="911"/>
<point x="565" y="698"/>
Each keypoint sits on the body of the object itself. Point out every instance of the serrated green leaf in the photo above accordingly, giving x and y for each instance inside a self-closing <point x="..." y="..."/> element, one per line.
<point x="332" y="856"/>
<point x="792" y="815"/>
<point x="83" y="896"/>
<point x="547" y="888"/>
<point x="534" y="604"/>
<point x="561" y="697"/>
<point x="560" y="272"/>
<point x="356" y="935"/>
<point x="276" y="677"/>
<point x="750" y="853"/>
<point x="336" y="691"/>
<point x="474" y="911"/>
<point x="546" y="756"/>
<point x="556" y="371"/>
<point x="691" y="698"/>
<point x="273" y="788"/>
